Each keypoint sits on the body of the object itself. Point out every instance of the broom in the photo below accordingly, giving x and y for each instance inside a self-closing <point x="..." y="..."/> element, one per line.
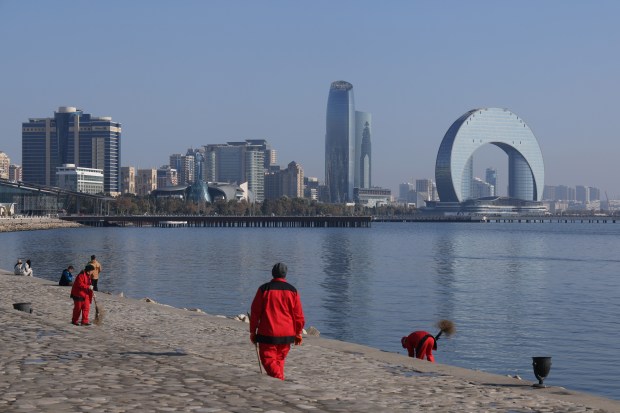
<point x="98" y="312"/>
<point x="445" y="326"/>
<point x="260" y="366"/>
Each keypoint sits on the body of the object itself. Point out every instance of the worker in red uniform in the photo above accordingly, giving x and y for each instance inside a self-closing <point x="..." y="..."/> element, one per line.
<point x="420" y="344"/>
<point x="82" y="294"/>
<point x="276" y="321"/>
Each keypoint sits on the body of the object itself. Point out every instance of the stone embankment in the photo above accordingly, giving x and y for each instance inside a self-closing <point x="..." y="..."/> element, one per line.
<point x="149" y="357"/>
<point x="10" y="224"/>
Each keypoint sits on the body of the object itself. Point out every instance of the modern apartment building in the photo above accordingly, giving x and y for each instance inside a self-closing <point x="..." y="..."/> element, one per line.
<point x="239" y="162"/>
<point x="71" y="137"/>
<point x="285" y="182"/>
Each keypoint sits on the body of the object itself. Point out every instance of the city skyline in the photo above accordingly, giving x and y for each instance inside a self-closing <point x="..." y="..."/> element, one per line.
<point x="180" y="76"/>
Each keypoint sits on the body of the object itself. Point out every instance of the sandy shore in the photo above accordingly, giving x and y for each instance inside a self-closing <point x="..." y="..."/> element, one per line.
<point x="153" y="358"/>
<point x="30" y="224"/>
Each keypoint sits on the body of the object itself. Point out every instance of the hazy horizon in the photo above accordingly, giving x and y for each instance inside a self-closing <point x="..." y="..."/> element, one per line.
<point x="180" y="75"/>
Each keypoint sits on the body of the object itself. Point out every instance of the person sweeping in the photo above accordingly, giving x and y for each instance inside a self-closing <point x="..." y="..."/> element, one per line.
<point x="276" y="321"/>
<point x="420" y="344"/>
<point x="82" y="295"/>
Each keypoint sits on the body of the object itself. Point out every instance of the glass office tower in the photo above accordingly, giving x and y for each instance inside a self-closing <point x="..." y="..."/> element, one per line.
<point x="499" y="127"/>
<point x="340" y="143"/>
<point x="71" y="137"/>
<point x="363" y="133"/>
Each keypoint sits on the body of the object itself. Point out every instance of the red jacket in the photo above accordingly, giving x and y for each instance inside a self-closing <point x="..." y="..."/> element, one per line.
<point x="277" y="316"/>
<point x="414" y="341"/>
<point x="81" y="287"/>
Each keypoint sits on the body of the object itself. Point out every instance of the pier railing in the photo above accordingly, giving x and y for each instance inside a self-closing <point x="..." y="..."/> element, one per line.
<point x="222" y="221"/>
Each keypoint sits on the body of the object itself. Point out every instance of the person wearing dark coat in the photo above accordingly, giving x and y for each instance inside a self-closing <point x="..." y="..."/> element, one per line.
<point x="66" y="279"/>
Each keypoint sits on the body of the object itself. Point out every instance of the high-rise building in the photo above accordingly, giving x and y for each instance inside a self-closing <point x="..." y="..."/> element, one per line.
<point x="128" y="180"/>
<point x="71" y="137"/>
<point x="167" y="176"/>
<point x="239" y="162"/>
<point x="311" y="187"/>
<point x="340" y="143"/>
<point x="15" y="173"/>
<point x="185" y="167"/>
<point x="582" y="194"/>
<point x="363" y="133"/>
<point x="491" y="178"/>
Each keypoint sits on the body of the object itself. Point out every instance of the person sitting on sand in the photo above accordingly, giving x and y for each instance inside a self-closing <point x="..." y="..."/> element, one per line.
<point x="18" y="269"/>
<point x="27" y="268"/>
<point x="66" y="279"/>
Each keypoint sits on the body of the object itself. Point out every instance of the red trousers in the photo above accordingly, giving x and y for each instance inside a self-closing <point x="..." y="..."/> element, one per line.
<point x="81" y="307"/>
<point x="427" y="350"/>
<point x="272" y="356"/>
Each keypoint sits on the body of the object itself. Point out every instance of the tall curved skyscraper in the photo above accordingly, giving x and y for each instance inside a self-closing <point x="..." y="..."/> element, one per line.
<point x="363" y="133"/>
<point x="340" y="143"/>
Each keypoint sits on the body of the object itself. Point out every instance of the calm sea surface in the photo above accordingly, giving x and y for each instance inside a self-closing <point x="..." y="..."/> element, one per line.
<point x="513" y="290"/>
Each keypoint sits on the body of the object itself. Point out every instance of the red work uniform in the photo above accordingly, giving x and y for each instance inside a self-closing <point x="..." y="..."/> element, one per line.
<point x="420" y="344"/>
<point x="82" y="296"/>
<point x="276" y="318"/>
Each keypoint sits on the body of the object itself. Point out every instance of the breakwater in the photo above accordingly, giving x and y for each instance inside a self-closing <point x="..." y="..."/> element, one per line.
<point x="35" y="223"/>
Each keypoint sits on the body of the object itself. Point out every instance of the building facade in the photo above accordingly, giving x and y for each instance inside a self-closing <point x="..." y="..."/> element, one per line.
<point x="340" y="143"/>
<point x="128" y="180"/>
<point x="146" y="181"/>
<point x="5" y="163"/>
<point x="499" y="127"/>
<point x="77" y="179"/>
<point x="239" y="162"/>
<point x="15" y="173"/>
<point x="71" y="137"/>
<point x="363" y="166"/>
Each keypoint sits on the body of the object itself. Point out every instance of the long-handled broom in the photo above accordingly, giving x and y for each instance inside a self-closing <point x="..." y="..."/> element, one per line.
<point x="260" y="366"/>
<point x="98" y="311"/>
<point x="445" y="326"/>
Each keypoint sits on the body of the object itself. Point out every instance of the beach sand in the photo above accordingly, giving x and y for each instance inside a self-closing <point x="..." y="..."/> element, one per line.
<point x="149" y="357"/>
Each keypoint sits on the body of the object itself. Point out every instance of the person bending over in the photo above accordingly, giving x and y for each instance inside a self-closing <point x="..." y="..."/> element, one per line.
<point x="420" y="344"/>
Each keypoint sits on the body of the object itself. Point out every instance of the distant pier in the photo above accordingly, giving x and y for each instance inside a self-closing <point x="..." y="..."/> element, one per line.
<point x="169" y="221"/>
<point x="522" y="219"/>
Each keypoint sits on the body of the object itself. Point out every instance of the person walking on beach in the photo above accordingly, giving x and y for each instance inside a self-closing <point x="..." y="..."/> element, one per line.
<point x="66" y="279"/>
<point x="93" y="261"/>
<point x="420" y="344"/>
<point x="27" y="269"/>
<point x="18" y="269"/>
<point x="82" y="294"/>
<point x="276" y="321"/>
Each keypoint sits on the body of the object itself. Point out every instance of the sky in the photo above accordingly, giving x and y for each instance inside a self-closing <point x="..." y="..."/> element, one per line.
<point x="182" y="74"/>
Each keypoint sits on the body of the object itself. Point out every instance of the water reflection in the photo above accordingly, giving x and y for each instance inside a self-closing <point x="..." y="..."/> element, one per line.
<point x="345" y="291"/>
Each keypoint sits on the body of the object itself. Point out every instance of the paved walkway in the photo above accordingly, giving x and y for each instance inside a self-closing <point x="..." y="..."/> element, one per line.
<point x="148" y="357"/>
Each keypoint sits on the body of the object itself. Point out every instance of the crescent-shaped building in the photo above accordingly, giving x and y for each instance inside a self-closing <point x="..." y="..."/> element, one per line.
<point x="499" y="127"/>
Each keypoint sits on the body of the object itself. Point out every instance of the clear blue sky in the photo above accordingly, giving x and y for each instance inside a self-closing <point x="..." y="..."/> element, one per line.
<point x="181" y="74"/>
